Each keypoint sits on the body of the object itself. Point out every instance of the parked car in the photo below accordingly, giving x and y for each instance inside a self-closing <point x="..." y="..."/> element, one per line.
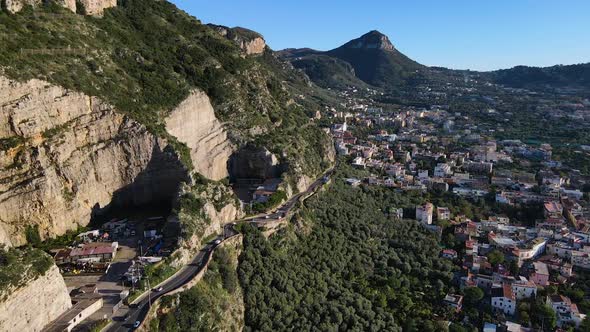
<point x="136" y="324"/>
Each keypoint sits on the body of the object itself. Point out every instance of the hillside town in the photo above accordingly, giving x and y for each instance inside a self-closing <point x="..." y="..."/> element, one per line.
<point x="511" y="260"/>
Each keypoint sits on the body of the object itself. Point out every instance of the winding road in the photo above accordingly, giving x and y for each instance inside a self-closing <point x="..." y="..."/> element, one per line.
<point x="127" y="316"/>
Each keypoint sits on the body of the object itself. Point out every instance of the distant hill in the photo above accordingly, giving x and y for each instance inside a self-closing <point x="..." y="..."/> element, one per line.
<point x="371" y="59"/>
<point x="575" y="76"/>
<point x="322" y="69"/>
<point x="377" y="62"/>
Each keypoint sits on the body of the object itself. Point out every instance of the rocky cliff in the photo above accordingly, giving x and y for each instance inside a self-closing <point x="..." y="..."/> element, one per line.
<point x="194" y="123"/>
<point x="250" y="42"/>
<point x="36" y="304"/>
<point x="65" y="155"/>
<point x="88" y="7"/>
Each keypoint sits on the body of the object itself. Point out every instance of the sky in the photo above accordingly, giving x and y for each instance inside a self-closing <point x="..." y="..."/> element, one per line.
<point x="458" y="34"/>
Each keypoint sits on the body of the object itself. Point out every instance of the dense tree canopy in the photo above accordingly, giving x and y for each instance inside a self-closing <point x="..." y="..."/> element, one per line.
<point x="355" y="270"/>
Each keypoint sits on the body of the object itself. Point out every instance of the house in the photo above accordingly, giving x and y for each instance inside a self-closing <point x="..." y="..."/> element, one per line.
<point x="514" y="327"/>
<point x="540" y="275"/>
<point x="353" y="182"/>
<point x="553" y="210"/>
<point x="531" y="249"/>
<point x="359" y="162"/>
<point x="94" y="251"/>
<point x="261" y="195"/>
<point x="454" y="301"/>
<point x="503" y="299"/>
<point x="424" y="213"/>
<point x="443" y="213"/>
<point x="557" y="264"/>
<point x="442" y="170"/>
<point x="524" y="289"/>
<point x="448" y="254"/>
<point x="581" y="259"/>
<point x="566" y="311"/>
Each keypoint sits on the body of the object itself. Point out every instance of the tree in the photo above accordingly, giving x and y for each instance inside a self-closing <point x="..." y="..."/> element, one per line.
<point x="473" y="295"/>
<point x="544" y="316"/>
<point x="513" y="268"/>
<point x="496" y="257"/>
<point x="585" y="325"/>
<point x="454" y="327"/>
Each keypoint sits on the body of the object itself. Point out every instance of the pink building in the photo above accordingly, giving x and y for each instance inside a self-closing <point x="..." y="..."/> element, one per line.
<point x="541" y="274"/>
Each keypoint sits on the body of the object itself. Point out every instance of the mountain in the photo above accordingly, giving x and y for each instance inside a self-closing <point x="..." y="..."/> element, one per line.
<point x="371" y="58"/>
<point x="572" y="76"/>
<point x="158" y="97"/>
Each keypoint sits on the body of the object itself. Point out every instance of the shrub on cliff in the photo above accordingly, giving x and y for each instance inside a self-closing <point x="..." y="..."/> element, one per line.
<point x="19" y="266"/>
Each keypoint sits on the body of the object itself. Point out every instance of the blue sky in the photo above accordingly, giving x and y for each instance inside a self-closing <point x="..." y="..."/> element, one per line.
<point x="461" y="34"/>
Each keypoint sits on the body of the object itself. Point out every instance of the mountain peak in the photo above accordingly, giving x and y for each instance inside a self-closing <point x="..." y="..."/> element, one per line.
<point x="371" y="40"/>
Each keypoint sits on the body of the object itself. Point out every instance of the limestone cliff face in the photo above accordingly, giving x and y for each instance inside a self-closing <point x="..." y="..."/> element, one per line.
<point x="90" y="7"/>
<point x="249" y="41"/>
<point x="74" y="156"/>
<point x="194" y="123"/>
<point x="97" y="7"/>
<point x="33" y="306"/>
<point x="14" y="6"/>
<point x="253" y="46"/>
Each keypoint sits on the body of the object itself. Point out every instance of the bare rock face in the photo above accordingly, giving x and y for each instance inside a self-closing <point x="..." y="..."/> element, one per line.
<point x="194" y="123"/>
<point x="35" y="305"/>
<point x="97" y="7"/>
<point x="14" y="6"/>
<point x="254" y="46"/>
<point x="90" y="7"/>
<point x="250" y="42"/>
<point x="69" y="156"/>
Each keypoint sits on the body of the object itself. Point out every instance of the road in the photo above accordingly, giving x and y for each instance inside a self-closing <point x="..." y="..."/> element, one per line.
<point x="127" y="316"/>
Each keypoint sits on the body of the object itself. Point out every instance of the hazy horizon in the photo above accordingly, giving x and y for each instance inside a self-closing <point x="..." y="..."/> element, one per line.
<point x="458" y="35"/>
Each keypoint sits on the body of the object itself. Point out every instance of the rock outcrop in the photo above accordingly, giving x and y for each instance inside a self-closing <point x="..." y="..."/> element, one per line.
<point x="194" y="123"/>
<point x="35" y="305"/>
<point x="96" y="7"/>
<point x="251" y="162"/>
<point x="69" y="155"/>
<point x="88" y="7"/>
<point x="251" y="43"/>
<point x="14" y="6"/>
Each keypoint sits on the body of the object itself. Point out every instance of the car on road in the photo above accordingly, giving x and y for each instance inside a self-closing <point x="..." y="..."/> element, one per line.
<point x="136" y="324"/>
<point x="159" y="289"/>
<point x="218" y="241"/>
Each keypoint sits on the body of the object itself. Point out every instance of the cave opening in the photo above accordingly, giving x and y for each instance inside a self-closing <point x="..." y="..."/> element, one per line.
<point x="255" y="173"/>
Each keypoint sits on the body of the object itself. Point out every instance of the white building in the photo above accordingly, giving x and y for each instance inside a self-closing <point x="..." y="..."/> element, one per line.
<point x="442" y="170"/>
<point x="503" y="299"/>
<point x="524" y="289"/>
<point x="443" y="213"/>
<point x="424" y="213"/>
<point x="567" y="312"/>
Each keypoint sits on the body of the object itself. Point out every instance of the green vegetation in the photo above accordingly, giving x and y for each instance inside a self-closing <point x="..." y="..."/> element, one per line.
<point x="10" y="143"/>
<point x="273" y="201"/>
<point x="18" y="266"/>
<point x="99" y="325"/>
<point x="473" y="295"/>
<point x="145" y="56"/>
<point x="496" y="257"/>
<point x="355" y="270"/>
<point x="155" y="273"/>
<point x="192" y="203"/>
<point x="214" y="304"/>
<point x="578" y="291"/>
